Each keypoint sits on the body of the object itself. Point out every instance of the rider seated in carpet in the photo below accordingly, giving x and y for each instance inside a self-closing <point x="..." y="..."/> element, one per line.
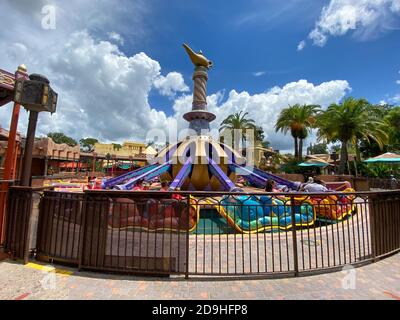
<point x="316" y="186"/>
<point x="270" y="186"/>
<point x="138" y="186"/>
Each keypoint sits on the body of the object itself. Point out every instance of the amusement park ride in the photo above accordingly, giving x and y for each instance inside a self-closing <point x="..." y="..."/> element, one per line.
<point x="198" y="162"/>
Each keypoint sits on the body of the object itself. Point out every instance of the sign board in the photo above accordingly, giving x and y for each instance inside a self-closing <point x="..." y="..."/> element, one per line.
<point x="7" y="80"/>
<point x="35" y="95"/>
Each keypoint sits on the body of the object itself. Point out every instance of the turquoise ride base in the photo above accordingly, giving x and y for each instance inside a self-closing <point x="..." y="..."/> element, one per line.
<point x="254" y="214"/>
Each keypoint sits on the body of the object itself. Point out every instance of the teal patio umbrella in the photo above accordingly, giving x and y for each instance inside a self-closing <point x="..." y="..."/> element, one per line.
<point x="314" y="163"/>
<point x="387" y="157"/>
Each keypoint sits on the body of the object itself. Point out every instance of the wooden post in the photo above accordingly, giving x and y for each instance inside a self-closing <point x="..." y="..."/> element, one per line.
<point x="46" y="164"/>
<point x="14" y="168"/>
<point x="30" y="140"/>
<point x="10" y="153"/>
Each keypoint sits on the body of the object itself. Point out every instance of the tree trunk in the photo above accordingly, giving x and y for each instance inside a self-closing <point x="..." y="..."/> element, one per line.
<point x="296" y="148"/>
<point x="343" y="158"/>
<point x="300" y="149"/>
<point x="358" y="153"/>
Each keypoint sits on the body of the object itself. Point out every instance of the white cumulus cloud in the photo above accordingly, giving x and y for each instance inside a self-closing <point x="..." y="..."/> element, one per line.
<point x="258" y="73"/>
<point x="367" y="18"/>
<point x="170" y="84"/>
<point x="301" y="45"/>
<point x="114" y="36"/>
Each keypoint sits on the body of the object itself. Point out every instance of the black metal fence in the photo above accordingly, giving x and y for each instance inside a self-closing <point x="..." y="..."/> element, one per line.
<point x="207" y="234"/>
<point x="384" y="184"/>
<point x="131" y="233"/>
<point x="4" y="185"/>
<point x="385" y="223"/>
<point x="21" y="221"/>
<point x="59" y="226"/>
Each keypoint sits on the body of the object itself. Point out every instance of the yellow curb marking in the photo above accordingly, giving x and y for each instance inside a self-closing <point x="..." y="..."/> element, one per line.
<point x="48" y="269"/>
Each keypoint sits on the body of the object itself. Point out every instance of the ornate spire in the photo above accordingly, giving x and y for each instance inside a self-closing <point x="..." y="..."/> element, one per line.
<point x="199" y="118"/>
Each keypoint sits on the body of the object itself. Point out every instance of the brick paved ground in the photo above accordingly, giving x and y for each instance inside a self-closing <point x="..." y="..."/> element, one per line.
<point x="375" y="281"/>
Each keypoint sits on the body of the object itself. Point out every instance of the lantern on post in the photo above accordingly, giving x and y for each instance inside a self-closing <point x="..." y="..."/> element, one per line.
<point x="35" y="95"/>
<point x="334" y="156"/>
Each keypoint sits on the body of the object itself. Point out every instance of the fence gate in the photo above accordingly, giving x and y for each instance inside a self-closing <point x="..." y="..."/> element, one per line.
<point x="59" y="227"/>
<point x="128" y="233"/>
<point x="18" y="222"/>
<point x="385" y="223"/>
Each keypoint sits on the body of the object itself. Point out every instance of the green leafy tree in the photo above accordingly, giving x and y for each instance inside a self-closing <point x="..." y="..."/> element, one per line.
<point x="370" y="149"/>
<point x="319" y="148"/>
<point x="392" y="125"/>
<point x="299" y="120"/>
<point x="59" y="137"/>
<point x="87" y="144"/>
<point x="116" y="146"/>
<point x="108" y="158"/>
<point x="273" y="162"/>
<point x="335" y="148"/>
<point x="266" y="144"/>
<point x="376" y="170"/>
<point x="348" y="123"/>
<point x="259" y="134"/>
<point x="237" y="121"/>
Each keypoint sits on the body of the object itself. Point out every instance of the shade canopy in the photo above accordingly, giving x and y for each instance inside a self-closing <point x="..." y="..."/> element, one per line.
<point x="386" y="157"/>
<point x="314" y="163"/>
<point x="124" y="166"/>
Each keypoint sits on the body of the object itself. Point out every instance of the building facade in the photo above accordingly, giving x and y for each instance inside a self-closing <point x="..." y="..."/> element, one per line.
<point x="50" y="157"/>
<point x="128" y="149"/>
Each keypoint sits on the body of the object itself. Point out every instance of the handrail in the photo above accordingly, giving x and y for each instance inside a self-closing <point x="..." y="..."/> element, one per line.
<point x="9" y="181"/>
<point x="216" y="193"/>
<point x="31" y="188"/>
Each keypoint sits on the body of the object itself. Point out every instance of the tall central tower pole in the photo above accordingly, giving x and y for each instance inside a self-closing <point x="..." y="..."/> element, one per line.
<point x="199" y="118"/>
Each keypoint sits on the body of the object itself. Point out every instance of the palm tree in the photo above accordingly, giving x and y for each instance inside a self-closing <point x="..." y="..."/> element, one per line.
<point x="347" y="123"/>
<point x="238" y="121"/>
<point x="392" y="125"/>
<point x="259" y="134"/>
<point x="299" y="119"/>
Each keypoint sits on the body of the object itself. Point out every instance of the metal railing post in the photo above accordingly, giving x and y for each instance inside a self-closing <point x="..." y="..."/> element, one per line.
<point x="187" y="236"/>
<point x="372" y="213"/>
<point x="294" y="237"/>
<point x="82" y="237"/>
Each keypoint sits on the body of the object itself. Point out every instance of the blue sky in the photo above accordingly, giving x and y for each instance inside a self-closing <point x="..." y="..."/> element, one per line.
<point x="121" y="71"/>
<point x="262" y="36"/>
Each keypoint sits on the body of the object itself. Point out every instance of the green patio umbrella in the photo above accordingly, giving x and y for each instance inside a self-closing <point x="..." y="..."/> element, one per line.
<point x="314" y="163"/>
<point x="387" y="157"/>
<point x="124" y="166"/>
